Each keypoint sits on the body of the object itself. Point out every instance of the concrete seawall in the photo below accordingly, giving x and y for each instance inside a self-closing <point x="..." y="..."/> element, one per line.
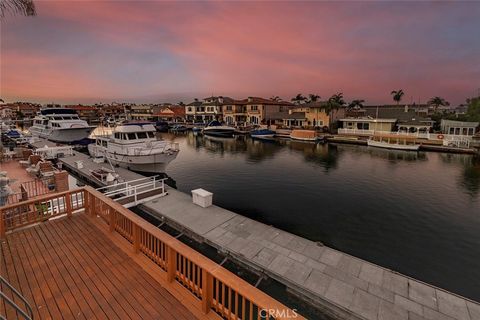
<point x="343" y="286"/>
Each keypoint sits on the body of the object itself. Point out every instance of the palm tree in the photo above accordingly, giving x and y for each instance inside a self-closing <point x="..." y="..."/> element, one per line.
<point x="180" y="103"/>
<point x="313" y="97"/>
<point x="356" y="104"/>
<point x="335" y="102"/>
<point x="437" y="102"/>
<point x="24" y="7"/>
<point x="298" y="99"/>
<point x="276" y="98"/>
<point x="2" y="101"/>
<point x="397" y="95"/>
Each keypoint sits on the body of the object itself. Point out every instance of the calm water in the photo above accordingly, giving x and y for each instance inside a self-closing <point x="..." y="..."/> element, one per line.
<point x="416" y="213"/>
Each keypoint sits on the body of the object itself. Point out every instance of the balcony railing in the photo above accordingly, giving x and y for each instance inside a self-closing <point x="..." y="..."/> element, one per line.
<point x="214" y="287"/>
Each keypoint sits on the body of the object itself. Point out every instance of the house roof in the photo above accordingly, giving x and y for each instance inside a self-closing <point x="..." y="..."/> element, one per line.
<point x="459" y="123"/>
<point x="194" y="104"/>
<point x="79" y="107"/>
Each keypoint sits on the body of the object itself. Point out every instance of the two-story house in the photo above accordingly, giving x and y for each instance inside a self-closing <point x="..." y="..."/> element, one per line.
<point x="266" y="111"/>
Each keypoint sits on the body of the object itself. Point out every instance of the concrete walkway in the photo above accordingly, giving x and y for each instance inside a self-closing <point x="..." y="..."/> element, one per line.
<point x="342" y="285"/>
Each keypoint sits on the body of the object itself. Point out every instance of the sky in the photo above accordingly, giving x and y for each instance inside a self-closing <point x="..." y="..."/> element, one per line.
<point x="160" y="51"/>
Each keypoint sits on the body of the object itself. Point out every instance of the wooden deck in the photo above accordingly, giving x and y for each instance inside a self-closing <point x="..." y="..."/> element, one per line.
<point x="79" y="254"/>
<point x="68" y="268"/>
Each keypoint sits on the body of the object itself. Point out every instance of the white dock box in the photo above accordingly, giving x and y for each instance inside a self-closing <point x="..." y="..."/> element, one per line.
<point x="202" y="197"/>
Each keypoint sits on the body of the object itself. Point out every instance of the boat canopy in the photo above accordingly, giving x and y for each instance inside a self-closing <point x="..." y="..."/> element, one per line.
<point x="214" y="123"/>
<point x="135" y="127"/>
<point x="51" y="111"/>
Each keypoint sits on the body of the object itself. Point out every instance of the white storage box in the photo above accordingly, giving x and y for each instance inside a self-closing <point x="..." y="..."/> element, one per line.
<point x="202" y="197"/>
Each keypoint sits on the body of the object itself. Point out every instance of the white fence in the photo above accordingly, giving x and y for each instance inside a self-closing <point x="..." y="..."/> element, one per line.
<point x="450" y="138"/>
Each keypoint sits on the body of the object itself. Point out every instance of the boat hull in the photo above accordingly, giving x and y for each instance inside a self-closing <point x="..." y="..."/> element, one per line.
<point x="219" y="132"/>
<point x="67" y="135"/>
<point x="152" y="163"/>
<point x="385" y="145"/>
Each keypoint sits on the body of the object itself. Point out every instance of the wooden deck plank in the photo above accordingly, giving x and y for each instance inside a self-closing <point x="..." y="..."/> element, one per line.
<point x="177" y="290"/>
<point x="89" y="289"/>
<point x="77" y="304"/>
<point x="101" y="284"/>
<point x="142" y="282"/>
<point x="69" y="268"/>
<point x="35" y="273"/>
<point x="37" y="300"/>
<point x="24" y="287"/>
<point x="45" y="278"/>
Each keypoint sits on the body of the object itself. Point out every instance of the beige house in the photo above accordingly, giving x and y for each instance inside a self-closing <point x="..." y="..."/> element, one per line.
<point x="366" y="125"/>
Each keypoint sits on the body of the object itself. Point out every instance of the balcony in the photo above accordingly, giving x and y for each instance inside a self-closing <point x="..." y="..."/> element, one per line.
<point x="78" y="254"/>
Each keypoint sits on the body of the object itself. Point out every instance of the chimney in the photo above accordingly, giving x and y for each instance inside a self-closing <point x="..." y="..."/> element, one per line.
<point x="406" y="108"/>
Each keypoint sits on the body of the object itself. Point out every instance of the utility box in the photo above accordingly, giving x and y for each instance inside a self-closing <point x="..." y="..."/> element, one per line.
<point x="202" y="198"/>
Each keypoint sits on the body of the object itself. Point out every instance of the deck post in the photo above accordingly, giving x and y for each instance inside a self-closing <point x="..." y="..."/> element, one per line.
<point x="68" y="204"/>
<point x="86" y="202"/>
<point x="2" y="225"/>
<point x="136" y="238"/>
<point x="207" y="286"/>
<point x="171" y="264"/>
<point x="111" y="216"/>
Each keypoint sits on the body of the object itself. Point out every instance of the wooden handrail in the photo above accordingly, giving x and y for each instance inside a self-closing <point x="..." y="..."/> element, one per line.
<point x="216" y="288"/>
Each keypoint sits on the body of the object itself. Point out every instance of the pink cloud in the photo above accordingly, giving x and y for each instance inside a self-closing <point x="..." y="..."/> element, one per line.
<point x="256" y="48"/>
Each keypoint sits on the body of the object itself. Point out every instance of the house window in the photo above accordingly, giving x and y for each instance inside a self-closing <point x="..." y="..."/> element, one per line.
<point x="254" y="108"/>
<point x="363" y="126"/>
<point x="470" y="131"/>
<point x="189" y="109"/>
<point x="280" y="109"/>
<point x="229" y="108"/>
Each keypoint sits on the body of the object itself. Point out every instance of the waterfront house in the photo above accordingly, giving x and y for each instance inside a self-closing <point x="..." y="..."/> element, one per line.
<point x="207" y="110"/>
<point x="87" y="113"/>
<point x="140" y="112"/>
<point x="113" y="111"/>
<point x="235" y="113"/>
<point x="459" y="128"/>
<point x="384" y="119"/>
<point x="366" y="125"/>
<point x="170" y="114"/>
<point x="194" y="112"/>
<point x="295" y="119"/>
<point x="6" y="112"/>
<point x="255" y="111"/>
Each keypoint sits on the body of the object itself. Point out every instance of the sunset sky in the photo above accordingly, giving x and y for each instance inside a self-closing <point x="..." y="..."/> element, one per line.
<point x="148" y="51"/>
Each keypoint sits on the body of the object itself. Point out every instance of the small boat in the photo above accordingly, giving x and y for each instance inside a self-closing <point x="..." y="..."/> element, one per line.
<point x="262" y="134"/>
<point x="215" y="128"/>
<point x="304" y="135"/>
<point x="178" y="128"/>
<point x="105" y="176"/>
<point x="396" y="142"/>
<point x="161" y="126"/>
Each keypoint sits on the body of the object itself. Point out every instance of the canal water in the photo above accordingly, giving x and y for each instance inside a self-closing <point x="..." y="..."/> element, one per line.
<point x="416" y="213"/>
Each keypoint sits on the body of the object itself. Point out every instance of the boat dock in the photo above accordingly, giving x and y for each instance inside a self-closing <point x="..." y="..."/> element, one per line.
<point x="342" y="286"/>
<point x="70" y="164"/>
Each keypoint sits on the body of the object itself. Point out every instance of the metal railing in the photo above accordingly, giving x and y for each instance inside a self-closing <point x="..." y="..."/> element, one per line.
<point x="26" y="314"/>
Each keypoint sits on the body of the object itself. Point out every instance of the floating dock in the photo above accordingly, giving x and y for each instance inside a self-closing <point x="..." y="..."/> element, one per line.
<point x="342" y="286"/>
<point x="70" y="164"/>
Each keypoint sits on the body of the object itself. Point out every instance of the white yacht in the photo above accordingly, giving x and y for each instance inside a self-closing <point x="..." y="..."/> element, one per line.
<point x="135" y="147"/>
<point x="60" y="125"/>
<point x="215" y="128"/>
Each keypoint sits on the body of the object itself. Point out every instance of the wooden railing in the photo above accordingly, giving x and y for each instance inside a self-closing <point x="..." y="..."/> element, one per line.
<point x="214" y="287"/>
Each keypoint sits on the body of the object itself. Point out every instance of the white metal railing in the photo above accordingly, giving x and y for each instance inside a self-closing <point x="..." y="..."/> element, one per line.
<point x="135" y="189"/>
<point x="420" y="135"/>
